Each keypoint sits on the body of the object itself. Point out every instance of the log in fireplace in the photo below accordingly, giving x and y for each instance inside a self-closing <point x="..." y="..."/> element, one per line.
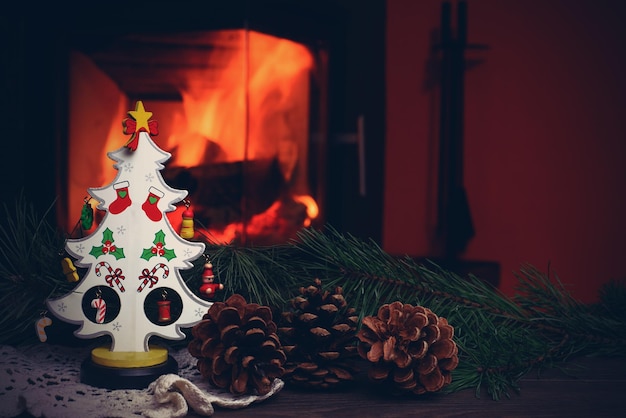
<point x="250" y="103"/>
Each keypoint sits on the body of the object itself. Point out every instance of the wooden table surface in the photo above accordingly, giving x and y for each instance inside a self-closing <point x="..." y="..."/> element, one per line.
<point x="591" y="387"/>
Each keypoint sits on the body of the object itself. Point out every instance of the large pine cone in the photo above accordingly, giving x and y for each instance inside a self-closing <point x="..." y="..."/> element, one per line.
<point x="318" y="333"/>
<point x="410" y="348"/>
<point x="237" y="347"/>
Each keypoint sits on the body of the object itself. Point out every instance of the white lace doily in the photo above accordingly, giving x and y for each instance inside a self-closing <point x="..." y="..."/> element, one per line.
<point x="44" y="380"/>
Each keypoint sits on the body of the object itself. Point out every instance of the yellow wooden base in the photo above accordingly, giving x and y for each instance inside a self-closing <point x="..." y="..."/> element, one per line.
<point x="129" y="359"/>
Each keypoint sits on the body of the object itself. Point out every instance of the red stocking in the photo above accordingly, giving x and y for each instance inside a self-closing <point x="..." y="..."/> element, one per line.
<point x="150" y="205"/>
<point x="123" y="199"/>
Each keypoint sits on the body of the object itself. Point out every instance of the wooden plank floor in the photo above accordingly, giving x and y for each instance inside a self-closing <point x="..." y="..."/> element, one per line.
<point x="592" y="387"/>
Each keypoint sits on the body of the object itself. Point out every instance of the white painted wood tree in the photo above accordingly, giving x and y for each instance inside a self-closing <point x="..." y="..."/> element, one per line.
<point x="133" y="252"/>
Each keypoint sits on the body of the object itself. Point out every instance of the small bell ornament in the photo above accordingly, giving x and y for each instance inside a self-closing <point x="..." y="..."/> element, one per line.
<point x="187" y="228"/>
<point x="209" y="288"/>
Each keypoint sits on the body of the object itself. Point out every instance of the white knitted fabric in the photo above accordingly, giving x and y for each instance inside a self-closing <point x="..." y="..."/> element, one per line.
<point x="44" y="380"/>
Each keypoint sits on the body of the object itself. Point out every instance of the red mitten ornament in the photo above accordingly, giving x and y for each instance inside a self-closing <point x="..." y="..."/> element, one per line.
<point x="150" y="205"/>
<point x="122" y="201"/>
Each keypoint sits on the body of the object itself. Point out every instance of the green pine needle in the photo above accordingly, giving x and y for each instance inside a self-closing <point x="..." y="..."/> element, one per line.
<point x="500" y="339"/>
<point x="30" y="270"/>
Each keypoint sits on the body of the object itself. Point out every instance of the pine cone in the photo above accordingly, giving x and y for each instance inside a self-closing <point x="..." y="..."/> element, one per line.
<point x="237" y="347"/>
<point x="318" y="333"/>
<point x="411" y="348"/>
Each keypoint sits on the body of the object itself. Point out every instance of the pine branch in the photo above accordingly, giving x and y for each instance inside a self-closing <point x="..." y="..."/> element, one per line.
<point x="254" y="273"/>
<point x="30" y="270"/>
<point x="590" y="330"/>
<point x="370" y="277"/>
<point x="500" y="339"/>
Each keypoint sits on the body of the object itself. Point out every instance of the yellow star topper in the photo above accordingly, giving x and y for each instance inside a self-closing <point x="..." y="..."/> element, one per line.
<point x="141" y="116"/>
<point x="139" y="121"/>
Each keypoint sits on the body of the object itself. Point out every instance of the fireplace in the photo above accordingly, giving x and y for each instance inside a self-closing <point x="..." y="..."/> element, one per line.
<point x="260" y="104"/>
<point x="241" y="111"/>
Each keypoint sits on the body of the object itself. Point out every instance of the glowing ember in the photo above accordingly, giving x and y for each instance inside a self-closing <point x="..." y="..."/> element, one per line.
<point x="281" y="221"/>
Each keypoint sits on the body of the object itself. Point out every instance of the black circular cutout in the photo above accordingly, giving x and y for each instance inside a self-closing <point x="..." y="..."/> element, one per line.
<point x="163" y="306"/>
<point x="110" y="298"/>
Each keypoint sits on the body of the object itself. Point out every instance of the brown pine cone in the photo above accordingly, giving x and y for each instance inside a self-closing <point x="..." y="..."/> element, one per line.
<point x="237" y="347"/>
<point x="318" y="333"/>
<point x="410" y="348"/>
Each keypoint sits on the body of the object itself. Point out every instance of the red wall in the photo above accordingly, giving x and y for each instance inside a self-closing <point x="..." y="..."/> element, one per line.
<point x="544" y="137"/>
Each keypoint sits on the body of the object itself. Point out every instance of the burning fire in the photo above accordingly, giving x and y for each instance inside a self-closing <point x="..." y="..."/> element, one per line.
<point x="269" y="227"/>
<point x="250" y="104"/>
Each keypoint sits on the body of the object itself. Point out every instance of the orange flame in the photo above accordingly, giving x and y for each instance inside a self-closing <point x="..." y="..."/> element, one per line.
<point x="251" y="103"/>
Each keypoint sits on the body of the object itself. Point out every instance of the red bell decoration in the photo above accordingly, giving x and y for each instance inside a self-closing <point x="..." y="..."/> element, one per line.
<point x="164" y="308"/>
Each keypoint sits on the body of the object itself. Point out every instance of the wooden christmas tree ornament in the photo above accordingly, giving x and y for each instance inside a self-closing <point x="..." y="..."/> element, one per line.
<point x="133" y="251"/>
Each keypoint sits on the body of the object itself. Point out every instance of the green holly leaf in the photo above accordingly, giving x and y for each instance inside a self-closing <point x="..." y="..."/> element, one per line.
<point x="159" y="237"/>
<point x="96" y="251"/>
<point x="107" y="235"/>
<point x="147" y="254"/>
<point x="118" y="253"/>
<point x="169" y="254"/>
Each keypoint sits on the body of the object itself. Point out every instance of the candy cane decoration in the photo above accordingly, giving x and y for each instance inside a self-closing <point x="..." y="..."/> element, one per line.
<point x="41" y="323"/>
<point x="150" y="276"/>
<point x="113" y="276"/>
<point x="101" y="309"/>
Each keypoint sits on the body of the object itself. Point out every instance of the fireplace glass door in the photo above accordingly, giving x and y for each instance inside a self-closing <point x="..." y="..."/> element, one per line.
<point x="241" y="112"/>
